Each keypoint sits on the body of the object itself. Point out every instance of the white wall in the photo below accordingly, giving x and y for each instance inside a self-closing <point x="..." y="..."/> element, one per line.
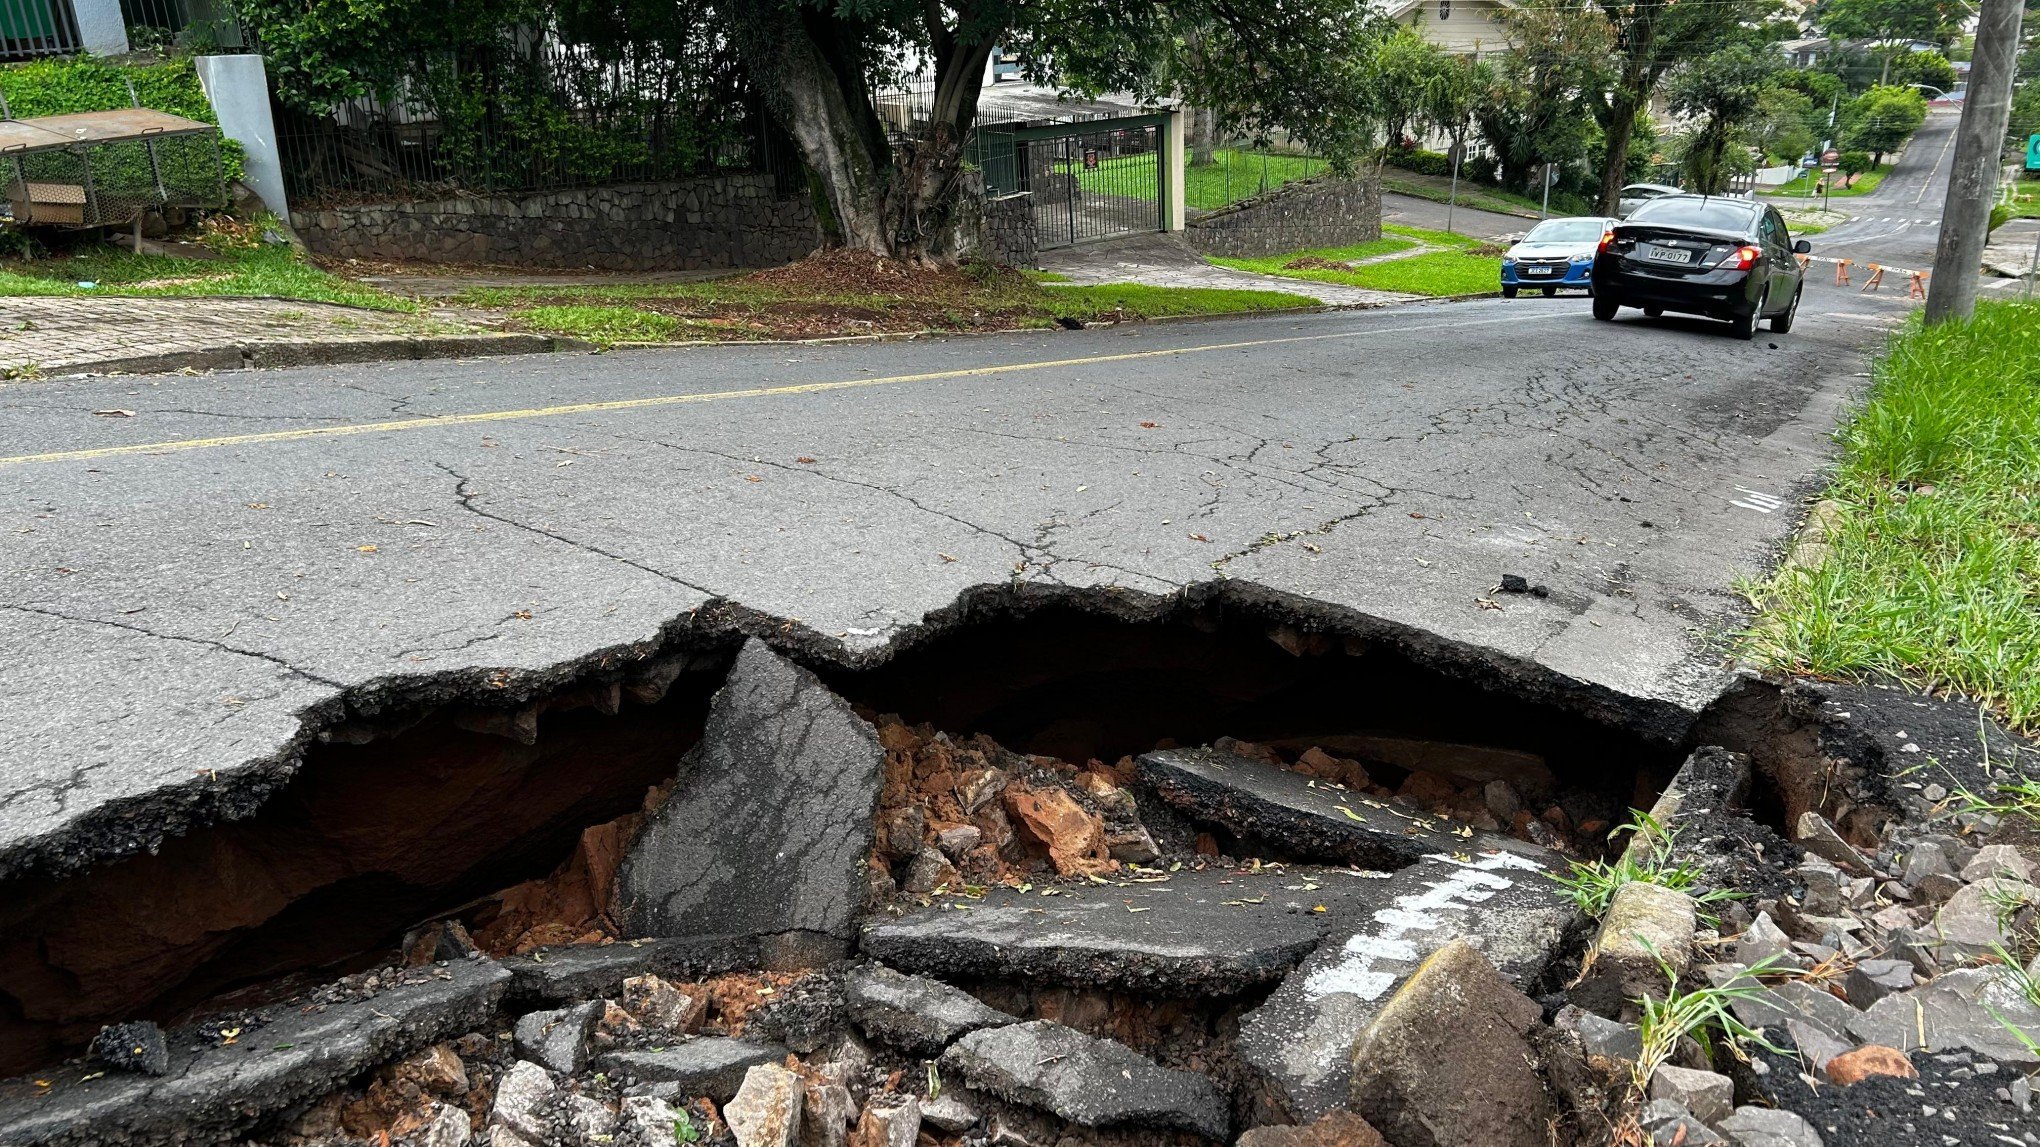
<point x="100" y="27"/>
<point x="1468" y="28"/>
<point x="239" y="90"/>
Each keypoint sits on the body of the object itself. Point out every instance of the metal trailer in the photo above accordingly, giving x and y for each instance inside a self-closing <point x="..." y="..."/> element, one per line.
<point x="108" y="168"/>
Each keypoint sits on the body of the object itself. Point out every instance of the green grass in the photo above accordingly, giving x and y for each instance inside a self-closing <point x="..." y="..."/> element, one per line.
<point x="740" y="308"/>
<point x="1649" y="859"/>
<point x="603" y="325"/>
<point x="1165" y="302"/>
<point x="1698" y="1014"/>
<point x="270" y="270"/>
<point x="1274" y="264"/>
<point x="1439" y="190"/>
<point x="1932" y="569"/>
<point x="1435" y="238"/>
<point x="1438" y="274"/>
<point x="1230" y="177"/>
<point x="1863" y="185"/>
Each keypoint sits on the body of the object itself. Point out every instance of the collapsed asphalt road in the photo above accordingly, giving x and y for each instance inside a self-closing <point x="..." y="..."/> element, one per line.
<point x="188" y="583"/>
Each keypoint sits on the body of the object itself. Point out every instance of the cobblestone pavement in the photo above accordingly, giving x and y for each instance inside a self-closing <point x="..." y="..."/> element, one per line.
<point x="1165" y="261"/>
<point x="52" y="335"/>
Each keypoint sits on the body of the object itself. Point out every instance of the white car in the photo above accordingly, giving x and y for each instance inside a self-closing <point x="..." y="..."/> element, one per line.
<point x="1556" y="253"/>
<point x="1636" y="195"/>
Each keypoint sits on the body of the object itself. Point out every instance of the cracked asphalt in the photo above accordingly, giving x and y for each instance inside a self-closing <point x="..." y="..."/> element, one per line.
<point x="183" y="585"/>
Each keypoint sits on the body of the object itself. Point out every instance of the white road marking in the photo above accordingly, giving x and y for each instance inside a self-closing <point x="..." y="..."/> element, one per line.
<point x="1757" y="500"/>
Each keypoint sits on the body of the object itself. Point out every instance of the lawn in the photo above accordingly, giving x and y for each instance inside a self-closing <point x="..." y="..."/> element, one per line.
<point x="1864" y="184"/>
<point x="269" y="270"/>
<point x="1278" y="264"/>
<point x="1456" y="270"/>
<point x="1438" y="189"/>
<point x="847" y="293"/>
<point x="1932" y="567"/>
<point x="1230" y="177"/>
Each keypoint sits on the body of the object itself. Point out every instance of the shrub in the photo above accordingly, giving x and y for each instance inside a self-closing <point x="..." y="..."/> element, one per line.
<point x="67" y="84"/>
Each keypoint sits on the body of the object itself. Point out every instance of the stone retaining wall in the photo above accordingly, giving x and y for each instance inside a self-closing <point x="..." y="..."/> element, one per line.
<point x="696" y="224"/>
<point x="1322" y="212"/>
<point x="1011" y="235"/>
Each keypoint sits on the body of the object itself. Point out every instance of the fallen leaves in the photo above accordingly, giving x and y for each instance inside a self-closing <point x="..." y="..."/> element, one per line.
<point x="367" y="549"/>
<point x="112" y="412"/>
<point x="1150" y="426"/>
<point x="1198" y="538"/>
<point x="752" y="478"/>
<point x="805" y="460"/>
<point x="945" y="557"/>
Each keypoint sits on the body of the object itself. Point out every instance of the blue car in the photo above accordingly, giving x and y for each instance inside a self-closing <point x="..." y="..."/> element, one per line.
<point x="1556" y="253"/>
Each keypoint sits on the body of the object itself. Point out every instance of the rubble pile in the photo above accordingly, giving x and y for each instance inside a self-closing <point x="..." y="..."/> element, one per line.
<point x="833" y="928"/>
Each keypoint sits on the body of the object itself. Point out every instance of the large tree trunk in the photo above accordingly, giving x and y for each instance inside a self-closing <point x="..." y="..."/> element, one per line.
<point x="902" y="200"/>
<point x="1203" y="137"/>
<point x="1618" y="124"/>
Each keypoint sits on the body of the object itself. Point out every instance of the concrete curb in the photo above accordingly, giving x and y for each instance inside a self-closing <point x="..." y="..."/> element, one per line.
<point x="256" y="355"/>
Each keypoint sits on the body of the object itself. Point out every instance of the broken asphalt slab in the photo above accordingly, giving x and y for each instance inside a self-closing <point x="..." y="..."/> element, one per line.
<point x="219" y="1085"/>
<point x="1088" y="1081"/>
<point x="1210" y="933"/>
<point x="1300" y="815"/>
<point x="914" y="1013"/>
<point x="187" y="621"/>
<point x="1503" y="903"/>
<point x="706" y="1065"/>
<point x="767" y="830"/>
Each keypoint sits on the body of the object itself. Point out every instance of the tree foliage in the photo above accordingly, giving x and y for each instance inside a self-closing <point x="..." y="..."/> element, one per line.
<point x="1882" y="119"/>
<point x="1534" y="109"/>
<point x="1650" y="38"/>
<point x="1724" y="92"/>
<point x="1929" y="68"/>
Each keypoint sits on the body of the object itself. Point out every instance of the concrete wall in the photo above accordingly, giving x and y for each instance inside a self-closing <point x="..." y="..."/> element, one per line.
<point x="239" y="90"/>
<point x="699" y="224"/>
<point x="101" y="30"/>
<point x="1321" y="212"/>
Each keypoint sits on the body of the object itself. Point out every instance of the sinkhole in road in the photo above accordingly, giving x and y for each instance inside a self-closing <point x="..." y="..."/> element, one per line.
<point x="417" y="812"/>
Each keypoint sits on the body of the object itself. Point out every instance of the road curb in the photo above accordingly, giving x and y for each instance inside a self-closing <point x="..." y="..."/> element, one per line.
<point x="284" y="353"/>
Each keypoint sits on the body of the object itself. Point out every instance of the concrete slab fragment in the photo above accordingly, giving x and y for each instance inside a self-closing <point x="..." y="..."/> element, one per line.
<point x="1093" y="1082"/>
<point x="914" y="1013"/>
<point x="219" y="1091"/>
<point x="711" y="1065"/>
<point x="1304" y="817"/>
<point x="1210" y="933"/>
<point x="788" y="777"/>
<point x="1301" y="1040"/>
<point x="571" y="973"/>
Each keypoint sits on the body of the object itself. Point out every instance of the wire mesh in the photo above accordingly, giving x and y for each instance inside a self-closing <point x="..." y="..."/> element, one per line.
<point x="114" y="183"/>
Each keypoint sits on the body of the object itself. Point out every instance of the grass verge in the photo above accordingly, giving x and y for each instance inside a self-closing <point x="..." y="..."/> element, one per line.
<point x="848" y="293"/>
<point x="1455" y="271"/>
<point x="1279" y="264"/>
<point x="270" y="270"/>
<point x="1932" y="566"/>
<point x="1796" y="187"/>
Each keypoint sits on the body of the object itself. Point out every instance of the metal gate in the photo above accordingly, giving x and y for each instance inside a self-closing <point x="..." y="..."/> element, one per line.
<point x="1093" y="180"/>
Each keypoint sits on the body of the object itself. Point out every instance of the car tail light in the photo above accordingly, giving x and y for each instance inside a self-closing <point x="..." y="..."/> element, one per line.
<point x="1741" y="259"/>
<point x="1607" y="237"/>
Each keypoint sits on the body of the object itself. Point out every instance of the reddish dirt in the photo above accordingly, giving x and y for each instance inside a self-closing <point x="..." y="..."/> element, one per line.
<point x="570" y="906"/>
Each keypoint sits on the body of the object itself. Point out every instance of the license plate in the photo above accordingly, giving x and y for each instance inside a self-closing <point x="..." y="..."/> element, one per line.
<point x="1537" y="270"/>
<point x="1668" y="254"/>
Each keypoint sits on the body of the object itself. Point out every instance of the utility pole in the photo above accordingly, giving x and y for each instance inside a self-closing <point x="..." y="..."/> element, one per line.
<point x="1979" y="144"/>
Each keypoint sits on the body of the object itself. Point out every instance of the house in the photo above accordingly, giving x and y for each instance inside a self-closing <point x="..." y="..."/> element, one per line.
<point x="1460" y="27"/>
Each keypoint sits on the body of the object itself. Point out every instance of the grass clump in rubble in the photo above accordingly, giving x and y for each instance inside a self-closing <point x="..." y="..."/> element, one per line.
<point x="255" y="270"/>
<point x="1592" y="885"/>
<point x="1699" y="1014"/>
<point x="1932" y="566"/>
<point x="847" y="293"/>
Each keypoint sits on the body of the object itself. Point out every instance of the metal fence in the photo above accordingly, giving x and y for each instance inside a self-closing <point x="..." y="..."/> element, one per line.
<point x="184" y="25"/>
<point x="33" y="28"/>
<point x="1229" y="172"/>
<point x="548" y="115"/>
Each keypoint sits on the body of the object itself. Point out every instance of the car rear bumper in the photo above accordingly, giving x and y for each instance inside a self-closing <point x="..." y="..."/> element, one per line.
<point x="1721" y="294"/>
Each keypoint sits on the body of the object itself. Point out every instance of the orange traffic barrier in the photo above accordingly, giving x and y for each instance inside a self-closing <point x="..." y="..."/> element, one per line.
<point x="1803" y="261"/>
<point x="1919" y="286"/>
<point x="1842" y="273"/>
<point x="1876" y="278"/>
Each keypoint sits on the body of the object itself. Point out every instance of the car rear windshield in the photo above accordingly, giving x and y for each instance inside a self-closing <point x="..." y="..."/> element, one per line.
<point x="1713" y="214"/>
<point x="1565" y="231"/>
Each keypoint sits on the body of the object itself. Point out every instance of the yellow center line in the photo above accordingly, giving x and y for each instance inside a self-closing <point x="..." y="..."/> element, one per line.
<point x="485" y="416"/>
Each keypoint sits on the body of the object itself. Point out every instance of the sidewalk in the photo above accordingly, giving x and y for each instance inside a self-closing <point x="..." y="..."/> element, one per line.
<point x="42" y="336"/>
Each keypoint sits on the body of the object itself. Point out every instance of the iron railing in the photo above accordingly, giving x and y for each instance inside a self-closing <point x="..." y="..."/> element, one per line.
<point x="184" y="25"/>
<point x="33" y="28"/>
<point x="552" y="115"/>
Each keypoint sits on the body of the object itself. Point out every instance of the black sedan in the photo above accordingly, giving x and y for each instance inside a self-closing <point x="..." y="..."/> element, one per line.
<point x="1701" y="255"/>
